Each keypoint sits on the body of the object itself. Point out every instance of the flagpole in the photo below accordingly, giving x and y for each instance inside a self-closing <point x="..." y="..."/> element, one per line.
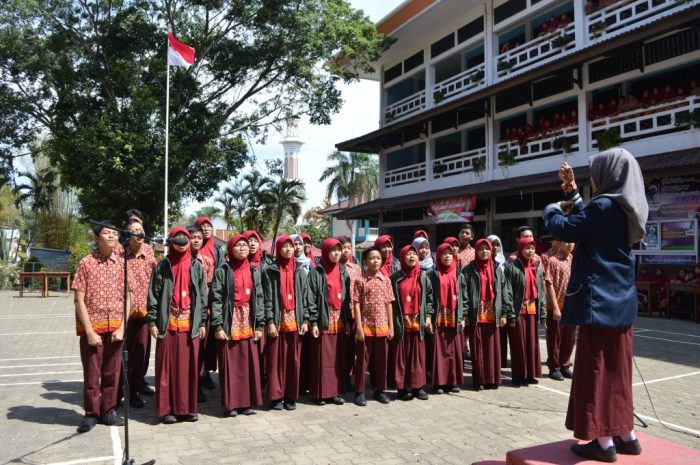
<point x="167" y="128"/>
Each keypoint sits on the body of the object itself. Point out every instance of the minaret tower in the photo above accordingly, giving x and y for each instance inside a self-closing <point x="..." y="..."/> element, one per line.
<point x="292" y="146"/>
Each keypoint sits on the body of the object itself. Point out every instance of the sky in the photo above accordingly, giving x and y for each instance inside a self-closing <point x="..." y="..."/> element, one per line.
<point x="359" y="115"/>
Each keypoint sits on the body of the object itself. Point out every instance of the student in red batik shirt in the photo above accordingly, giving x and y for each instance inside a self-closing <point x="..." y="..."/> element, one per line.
<point x="560" y="338"/>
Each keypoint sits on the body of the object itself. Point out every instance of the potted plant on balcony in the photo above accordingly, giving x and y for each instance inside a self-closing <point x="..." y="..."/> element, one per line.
<point x="562" y="40"/>
<point x="477" y="76"/>
<point x="438" y="96"/>
<point x="504" y="65"/>
<point x="439" y="167"/>
<point x="562" y="143"/>
<point x="608" y="138"/>
<point x="597" y="29"/>
<point x="478" y="165"/>
<point x="388" y="117"/>
<point x="688" y="119"/>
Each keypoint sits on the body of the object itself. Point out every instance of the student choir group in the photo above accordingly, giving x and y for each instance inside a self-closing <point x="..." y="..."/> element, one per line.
<point x="288" y="324"/>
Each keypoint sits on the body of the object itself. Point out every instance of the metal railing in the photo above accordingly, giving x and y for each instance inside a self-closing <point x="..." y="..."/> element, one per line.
<point x="536" y="51"/>
<point x="556" y="142"/>
<point x="458" y="163"/>
<point x="404" y="107"/>
<point x="460" y="84"/>
<point x="405" y="175"/>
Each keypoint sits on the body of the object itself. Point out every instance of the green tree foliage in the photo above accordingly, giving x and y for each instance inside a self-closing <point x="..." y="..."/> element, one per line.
<point x="90" y="76"/>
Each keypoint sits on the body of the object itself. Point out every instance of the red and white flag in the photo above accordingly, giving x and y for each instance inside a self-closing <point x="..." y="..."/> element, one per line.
<point x="179" y="54"/>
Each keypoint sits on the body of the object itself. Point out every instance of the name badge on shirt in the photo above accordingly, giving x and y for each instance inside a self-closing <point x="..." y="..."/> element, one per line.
<point x="340" y="296"/>
<point x="184" y="293"/>
<point x="408" y="298"/>
<point x="247" y="291"/>
<point x="454" y="297"/>
<point x="290" y="296"/>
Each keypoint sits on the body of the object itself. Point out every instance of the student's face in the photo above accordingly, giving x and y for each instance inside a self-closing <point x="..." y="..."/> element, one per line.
<point x="207" y="230"/>
<point x="136" y="228"/>
<point x="526" y="234"/>
<point x="196" y="240"/>
<point x="566" y="247"/>
<point x="424" y="251"/>
<point x="107" y="238"/>
<point x="411" y="258"/>
<point x="298" y="248"/>
<point x="465" y="236"/>
<point x="182" y="248"/>
<point x="484" y="252"/>
<point x="529" y="251"/>
<point x="307" y="247"/>
<point x="253" y="245"/>
<point x="496" y="247"/>
<point x="334" y="254"/>
<point x="240" y="250"/>
<point x="346" y="252"/>
<point x="373" y="261"/>
<point x="455" y="249"/>
<point x="287" y="250"/>
<point x="447" y="257"/>
<point x="386" y="249"/>
<point x="556" y="245"/>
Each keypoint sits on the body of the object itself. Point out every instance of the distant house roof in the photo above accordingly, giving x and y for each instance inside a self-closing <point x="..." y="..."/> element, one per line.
<point x="335" y="208"/>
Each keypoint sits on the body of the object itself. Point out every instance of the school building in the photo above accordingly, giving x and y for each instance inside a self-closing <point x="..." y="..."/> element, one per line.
<point x="481" y="102"/>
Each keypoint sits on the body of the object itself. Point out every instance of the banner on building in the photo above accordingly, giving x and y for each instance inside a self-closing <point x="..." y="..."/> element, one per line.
<point x="453" y="210"/>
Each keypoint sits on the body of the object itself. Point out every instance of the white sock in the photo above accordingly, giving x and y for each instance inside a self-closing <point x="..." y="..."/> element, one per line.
<point x="605" y="442"/>
<point x="629" y="437"/>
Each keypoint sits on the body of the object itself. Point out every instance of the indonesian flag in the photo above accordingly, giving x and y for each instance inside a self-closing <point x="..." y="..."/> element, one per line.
<point x="179" y="54"/>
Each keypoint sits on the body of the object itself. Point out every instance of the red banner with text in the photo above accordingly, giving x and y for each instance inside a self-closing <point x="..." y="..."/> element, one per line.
<point x="453" y="210"/>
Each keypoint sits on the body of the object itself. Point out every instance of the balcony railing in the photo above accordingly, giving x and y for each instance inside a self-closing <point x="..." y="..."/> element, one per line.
<point x="647" y="122"/>
<point x="406" y="175"/>
<point x="460" y="163"/>
<point x="405" y="107"/>
<point x="623" y="15"/>
<point x="460" y="84"/>
<point x="364" y="232"/>
<point x="536" y="51"/>
<point x="561" y="141"/>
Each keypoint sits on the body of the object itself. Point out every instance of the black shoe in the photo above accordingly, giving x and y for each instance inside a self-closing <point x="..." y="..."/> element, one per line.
<point x="191" y="417"/>
<point x="491" y="386"/>
<point x="455" y="390"/>
<point x="478" y="387"/>
<point x="277" y="405"/>
<point x="567" y="373"/>
<point x="135" y="401"/>
<point x="147" y="390"/>
<point x="338" y="400"/>
<point x="290" y="405"/>
<point x="206" y="382"/>
<point x="87" y="424"/>
<point x="439" y="390"/>
<point x="401" y="394"/>
<point x="201" y="396"/>
<point x="360" y="400"/>
<point x="247" y="411"/>
<point x="230" y="413"/>
<point x="420" y="394"/>
<point x="169" y="419"/>
<point x="532" y="381"/>
<point x="319" y="402"/>
<point x="518" y="382"/>
<point x="593" y="451"/>
<point x="556" y="375"/>
<point x="112" y="419"/>
<point x="627" y="448"/>
<point x="381" y="397"/>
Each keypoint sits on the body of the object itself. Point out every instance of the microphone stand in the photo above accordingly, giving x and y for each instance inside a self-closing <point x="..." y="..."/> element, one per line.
<point x="124" y="236"/>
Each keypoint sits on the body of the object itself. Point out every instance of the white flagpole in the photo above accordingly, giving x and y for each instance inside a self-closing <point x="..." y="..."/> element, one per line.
<point x="167" y="128"/>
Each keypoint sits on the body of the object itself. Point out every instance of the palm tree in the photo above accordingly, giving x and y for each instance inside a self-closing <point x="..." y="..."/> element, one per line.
<point x="40" y="188"/>
<point x="284" y="197"/>
<point x="255" y="193"/>
<point x="239" y="198"/>
<point x="353" y="176"/>
<point x="227" y="202"/>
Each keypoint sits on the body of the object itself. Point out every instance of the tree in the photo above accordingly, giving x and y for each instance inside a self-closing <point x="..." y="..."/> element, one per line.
<point x="353" y="176"/>
<point x="285" y="197"/>
<point x="255" y="193"/>
<point x="225" y="199"/>
<point x="90" y="76"/>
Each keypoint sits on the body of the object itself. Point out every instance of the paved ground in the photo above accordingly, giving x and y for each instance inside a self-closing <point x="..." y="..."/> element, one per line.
<point x="40" y="399"/>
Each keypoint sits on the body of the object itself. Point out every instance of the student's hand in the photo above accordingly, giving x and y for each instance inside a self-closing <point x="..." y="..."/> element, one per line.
<point x="154" y="332"/>
<point x="566" y="206"/>
<point x="390" y="336"/>
<point x="118" y="335"/>
<point x="220" y="335"/>
<point x="503" y="322"/>
<point x="314" y="331"/>
<point x="566" y="173"/>
<point x="202" y="332"/>
<point x="512" y="324"/>
<point x="359" y="334"/>
<point x="556" y="314"/>
<point x="465" y="323"/>
<point x="94" y="339"/>
<point x="272" y="330"/>
<point x="429" y="325"/>
<point x="257" y="335"/>
<point x="304" y="328"/>
<point x="462" y="325"/>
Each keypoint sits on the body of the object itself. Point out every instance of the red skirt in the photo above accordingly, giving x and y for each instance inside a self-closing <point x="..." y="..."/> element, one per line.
<point x="448" y="357"/>
<point x="327" y="370"/>
<point x="409" y="366"/>
<point x="283" y="359"/>
<point x="485" y="343"/>
<point x="601" y="403"/>
<point x="239" y="374"/>
<point x="525" y="348"/>
<point x="177" y="359"/>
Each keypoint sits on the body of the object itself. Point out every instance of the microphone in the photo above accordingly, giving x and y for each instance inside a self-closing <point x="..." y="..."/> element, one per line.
<point x="177" y="240"/>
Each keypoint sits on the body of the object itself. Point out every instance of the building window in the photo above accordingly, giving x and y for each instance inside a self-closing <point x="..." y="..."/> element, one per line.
<point x="468" y="31"/>
<point x="442" y="45"/>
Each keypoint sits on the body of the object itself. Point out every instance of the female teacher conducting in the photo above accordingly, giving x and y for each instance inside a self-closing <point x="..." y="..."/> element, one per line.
<point x="601" y="299"/>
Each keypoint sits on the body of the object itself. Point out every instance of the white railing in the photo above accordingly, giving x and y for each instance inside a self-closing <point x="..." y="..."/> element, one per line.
<point x="623" y="15"/>
<point x="406" y="175"/>
<point x="404" y="107"/>
<point x="460" y="84"/>
<point x="363" y="232"/>
<point x="647" y="122"/>
<point x="536" y="51"/>
<point x="458" y="163"/>
<point x="560" y="141"/>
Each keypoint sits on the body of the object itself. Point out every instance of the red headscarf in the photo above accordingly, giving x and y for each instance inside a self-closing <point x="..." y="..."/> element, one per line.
<point x="387" y="268"/>
<point x="334" y="286"/>
<point x="207" y="244"/>
<point x="448" y="278"/>
<point x="644" y="275"/>
<point x="410" y="286"/>
<point x="530" y="270"/>
<point x="242" y="276"/>
<point x="180" y="263"/>
<point x="305" y="237"/>
<point x="255" y="259"/>
<point x="420" y="233"/>
<point x="287" y="268"/>
<point x="485" y="270"/>
<point x="451" y="240"/>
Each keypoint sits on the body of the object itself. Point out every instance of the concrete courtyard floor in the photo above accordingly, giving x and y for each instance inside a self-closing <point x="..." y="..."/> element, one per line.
<point x="41" y="405"/>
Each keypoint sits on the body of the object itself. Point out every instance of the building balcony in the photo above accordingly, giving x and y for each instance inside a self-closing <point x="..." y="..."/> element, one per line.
<point x="624" y="15"/>
<point x="405" y="107"/>
<point x="536" y="52"/>
<point x="555" y="142"/>
<point x="405" y="175"/>
<point x="460" y="84"/>
<point x="646" y="122"/>
<point x="460" y="163"/>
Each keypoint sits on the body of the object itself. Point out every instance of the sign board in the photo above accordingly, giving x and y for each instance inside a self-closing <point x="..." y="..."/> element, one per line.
<point x="453" y="210"/>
